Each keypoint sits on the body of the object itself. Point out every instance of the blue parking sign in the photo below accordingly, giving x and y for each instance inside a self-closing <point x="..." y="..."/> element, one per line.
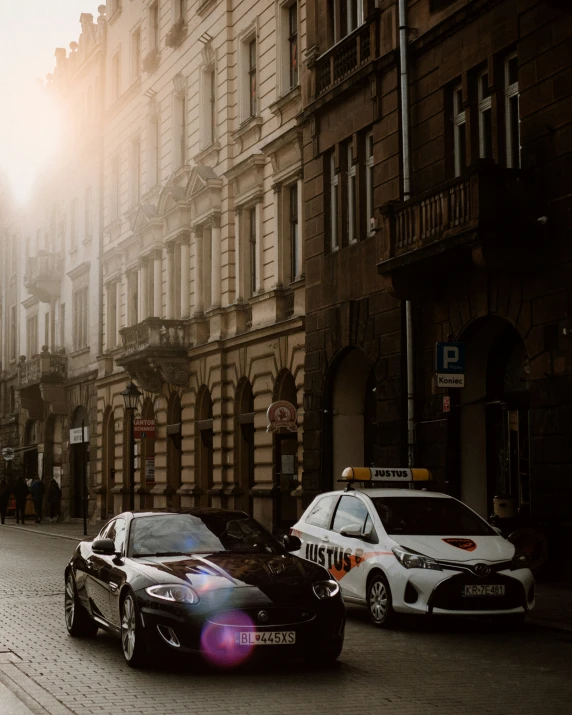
<point x="450" y="358"/>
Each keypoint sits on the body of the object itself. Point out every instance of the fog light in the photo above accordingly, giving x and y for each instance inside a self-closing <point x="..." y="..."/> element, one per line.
<point x="169" y="636"/>
<point x="411" y="594"/>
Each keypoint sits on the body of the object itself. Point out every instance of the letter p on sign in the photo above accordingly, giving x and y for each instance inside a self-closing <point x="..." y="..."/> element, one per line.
<point x="450" y="356"/>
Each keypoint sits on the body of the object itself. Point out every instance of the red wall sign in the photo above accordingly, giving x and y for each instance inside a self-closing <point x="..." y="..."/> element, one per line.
<point x="143" y="429"/>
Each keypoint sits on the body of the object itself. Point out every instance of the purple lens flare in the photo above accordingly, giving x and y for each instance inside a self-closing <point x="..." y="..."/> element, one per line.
<point x="220" y="643"/>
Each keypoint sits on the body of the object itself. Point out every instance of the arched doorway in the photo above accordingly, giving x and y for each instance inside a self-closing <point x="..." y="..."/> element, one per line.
<point x="108" y="508"/>
<point x="350" y="417"/>
<point x="285" y="457"/>
<point x="494" y="454"/>
<point x="79" y="477"/>
<point x="147" y="470"/>
<point x="204" y="444"/>
<point x="53" y="450"/>
<point x="174" y="451"/>
<point x="244" y="444"/>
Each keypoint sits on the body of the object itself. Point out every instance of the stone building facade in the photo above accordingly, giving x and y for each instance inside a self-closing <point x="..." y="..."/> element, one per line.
<point x="480" y="248"/>
<point x="203" y="283"/>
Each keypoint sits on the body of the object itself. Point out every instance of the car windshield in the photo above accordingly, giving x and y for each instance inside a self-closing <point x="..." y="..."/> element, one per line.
<point x="429" y="516"/>
<point x="178" y="534"/>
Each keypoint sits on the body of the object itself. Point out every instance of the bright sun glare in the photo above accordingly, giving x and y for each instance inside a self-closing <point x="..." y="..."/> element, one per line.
<point x="29" y="134"/>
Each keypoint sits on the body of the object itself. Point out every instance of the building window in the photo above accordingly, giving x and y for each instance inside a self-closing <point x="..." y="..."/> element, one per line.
<point x="485" y="117"/>
<point x="293" y="44"/>
<point x="459" y="131"/>
<point x="111" y="315"/>
<point x="135" y="171"/>
<point x="73" y="226"/>
<point x="295" y="242"/>
<point x="46" y="328"/>
<point x="62" y="331"/>
<point x="136" y="54"/>
<point x="252" y="250"/>
<point x="252" y="78"/>
<point x="115" y="76"/>
<point x="208" y="107"/>
<point x="154" y="26"/>
<point x="369" y="182"/>
<point x="152" y="151"/>
<point x="179" y="129"/>
<point x="114" y="187"/>
<point x="344" y="16"/>
<point x="80" y="303"/>
<point x="13" y="333"/>
<point x="133" y="298"/>
<point x="179" y="9"/>
<point x="88" y="214"/>
<point x="351" y="205"/>
<point x="512" y="114"/>
<point x="32" y="335"/>
<point x="334" y="240"/>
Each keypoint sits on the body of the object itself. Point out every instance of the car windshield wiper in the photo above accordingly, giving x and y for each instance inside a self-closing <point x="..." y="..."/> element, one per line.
<point x="162" y="553"/>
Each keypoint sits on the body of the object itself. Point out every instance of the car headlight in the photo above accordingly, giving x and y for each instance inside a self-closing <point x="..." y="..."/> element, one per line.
<point x="174" y="593"/>
<point x="326" y="589"/>
<point x="411" y="560"/>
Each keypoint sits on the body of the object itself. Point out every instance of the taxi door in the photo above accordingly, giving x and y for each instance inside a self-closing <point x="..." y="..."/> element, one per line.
<point x="348" y="545"/>
<point x="313" y="530"/>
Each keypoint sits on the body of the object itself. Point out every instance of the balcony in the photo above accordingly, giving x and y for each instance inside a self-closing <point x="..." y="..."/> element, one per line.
<point x="41" y="379"/>
<point x="483" y="218"/>
<point x="347" y="56"/>
<point x="155" y="351"/>
<point x="43" y="276"/>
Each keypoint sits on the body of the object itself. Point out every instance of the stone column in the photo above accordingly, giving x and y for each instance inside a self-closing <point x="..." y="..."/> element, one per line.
<point x="215" y="263"/>
<point x="278" y="239"/>
<point x="259" y="246"/>
<point x="143" y="287"/>
<point x="185" y="278"/>
<point x="300" y="271"/>
<point x="199" y="282"/>
<point x="170" y="286"/>
<point x="238" y="257"/>
<point x="157" y="308"/>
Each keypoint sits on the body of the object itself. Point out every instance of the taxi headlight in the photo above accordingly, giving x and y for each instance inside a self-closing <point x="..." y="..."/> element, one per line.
<point x="174" y="593"/>
<point x="326" y="589"/>
<point x="412" y="560"/>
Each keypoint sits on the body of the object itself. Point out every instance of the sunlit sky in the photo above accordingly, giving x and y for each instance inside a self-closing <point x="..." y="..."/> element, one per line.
<point x="30" y="31"/>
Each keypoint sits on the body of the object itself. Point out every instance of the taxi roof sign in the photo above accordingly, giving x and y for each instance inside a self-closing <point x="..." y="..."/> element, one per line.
<point x="385" y="474"/>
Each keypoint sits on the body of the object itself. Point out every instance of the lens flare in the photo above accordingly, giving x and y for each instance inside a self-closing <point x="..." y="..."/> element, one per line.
<point x="219" y="642"/>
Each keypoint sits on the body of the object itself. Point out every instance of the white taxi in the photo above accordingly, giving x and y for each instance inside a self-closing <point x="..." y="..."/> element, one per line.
<point x="399" y="550"/>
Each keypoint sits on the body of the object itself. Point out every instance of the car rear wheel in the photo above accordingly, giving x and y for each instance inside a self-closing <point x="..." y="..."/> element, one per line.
<point x="78" y="622"/>
<point x="379" y="602"/>
<point x="132" y="641"/>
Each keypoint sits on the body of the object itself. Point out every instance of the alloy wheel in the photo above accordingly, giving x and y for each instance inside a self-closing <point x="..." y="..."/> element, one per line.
<point x="128" y="628"/>
<point x="69" y="602"/>
<point x="378" y="601"/>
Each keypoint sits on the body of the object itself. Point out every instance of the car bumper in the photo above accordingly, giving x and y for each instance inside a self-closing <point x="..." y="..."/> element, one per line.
<point x="417" y="591"/>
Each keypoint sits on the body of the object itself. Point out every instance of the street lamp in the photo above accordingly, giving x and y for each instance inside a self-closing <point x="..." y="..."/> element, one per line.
<point x="131" y="397"/>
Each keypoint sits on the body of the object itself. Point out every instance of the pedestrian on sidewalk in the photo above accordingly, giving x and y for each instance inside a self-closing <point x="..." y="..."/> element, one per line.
<point x="38" y="490"/>
<point x="54" y="499"/>
<point x="21" y="491"/>
<point x="4" y="498"/>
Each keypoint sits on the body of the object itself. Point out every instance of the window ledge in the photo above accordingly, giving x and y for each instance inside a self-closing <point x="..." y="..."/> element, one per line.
<point x="291" y="97"/>
<point x="205" y="6"/>
<point x="114" y="16"/>
<point x="207" y="152"/>
<point x="81" y="351"/>
<point x="252" y="124"/>
<point x="87" y="240"/>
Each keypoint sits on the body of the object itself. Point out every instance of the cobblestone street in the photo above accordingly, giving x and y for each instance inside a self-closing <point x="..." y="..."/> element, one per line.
<point x="437" y="667"/>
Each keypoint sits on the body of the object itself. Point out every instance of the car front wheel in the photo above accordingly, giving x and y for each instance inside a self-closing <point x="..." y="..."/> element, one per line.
<point x="78" y="622"/>
<point x="132" y="640"/>
<point x="379" y="602"/>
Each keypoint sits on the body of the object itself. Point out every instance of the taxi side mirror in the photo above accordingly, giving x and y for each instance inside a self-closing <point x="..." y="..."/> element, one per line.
<point x="291" y="543"/>
<point x="352" y="532"/>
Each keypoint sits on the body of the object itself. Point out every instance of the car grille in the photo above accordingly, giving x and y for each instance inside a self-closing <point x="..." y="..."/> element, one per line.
<point x="448" y="595"/>
<point x="275" y="616"/>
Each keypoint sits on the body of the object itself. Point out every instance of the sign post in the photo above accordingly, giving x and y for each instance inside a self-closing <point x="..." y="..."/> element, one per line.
<point x="450" y="364"/>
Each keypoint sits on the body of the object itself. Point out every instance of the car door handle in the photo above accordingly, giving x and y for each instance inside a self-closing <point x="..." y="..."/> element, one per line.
<point x="325" y="538"/>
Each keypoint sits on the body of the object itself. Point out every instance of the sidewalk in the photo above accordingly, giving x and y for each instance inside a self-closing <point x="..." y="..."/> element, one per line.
<point x="553" y="599"/>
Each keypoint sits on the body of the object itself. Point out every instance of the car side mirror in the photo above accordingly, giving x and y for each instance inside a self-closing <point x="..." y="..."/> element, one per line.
<point x="105" y="547"/>
<point x="352" y="532"/>
<point x="292" y="543"/>
<point x="497" y="529"/>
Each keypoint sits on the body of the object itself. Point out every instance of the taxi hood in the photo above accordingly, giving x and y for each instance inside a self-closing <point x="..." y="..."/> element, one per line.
<point x="459" y="548"/>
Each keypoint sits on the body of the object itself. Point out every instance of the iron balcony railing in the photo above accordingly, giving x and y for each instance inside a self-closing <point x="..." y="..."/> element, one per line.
<point x="155" y="333"/>
<point x="45" y="367"/>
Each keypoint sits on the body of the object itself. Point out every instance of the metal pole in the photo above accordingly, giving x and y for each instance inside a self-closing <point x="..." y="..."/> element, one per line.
<point x="84" y="481"/>
<point x="131" y="463"/>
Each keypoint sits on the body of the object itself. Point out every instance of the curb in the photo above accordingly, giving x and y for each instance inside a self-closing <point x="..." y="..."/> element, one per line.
<point x="46" y="533"/>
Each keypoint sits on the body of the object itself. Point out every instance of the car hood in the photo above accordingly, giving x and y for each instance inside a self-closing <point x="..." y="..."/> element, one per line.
<point x="459" y="548"/>
<point x="233" y="570"/>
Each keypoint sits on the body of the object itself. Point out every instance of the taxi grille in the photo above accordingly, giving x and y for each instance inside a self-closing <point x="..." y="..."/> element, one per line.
<point x="449" y="594"/>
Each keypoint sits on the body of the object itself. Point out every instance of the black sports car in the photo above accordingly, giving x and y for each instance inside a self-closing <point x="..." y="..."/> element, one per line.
<point x="207" y="581"/>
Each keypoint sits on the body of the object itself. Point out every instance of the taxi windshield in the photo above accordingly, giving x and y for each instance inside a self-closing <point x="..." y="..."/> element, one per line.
<point x="178" y="534"/>
<point x="434" y="516"/>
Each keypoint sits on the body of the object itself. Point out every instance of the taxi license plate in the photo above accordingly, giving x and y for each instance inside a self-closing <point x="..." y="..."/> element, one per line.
<point x="266" y="638"/>
<point x="483" y="590"/>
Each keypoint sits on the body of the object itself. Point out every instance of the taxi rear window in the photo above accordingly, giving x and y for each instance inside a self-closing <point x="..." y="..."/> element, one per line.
<point x="418" y="516"/>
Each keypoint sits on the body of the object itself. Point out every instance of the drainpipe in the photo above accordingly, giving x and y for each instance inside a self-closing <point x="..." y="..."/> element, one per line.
<point x="404" y="84"/>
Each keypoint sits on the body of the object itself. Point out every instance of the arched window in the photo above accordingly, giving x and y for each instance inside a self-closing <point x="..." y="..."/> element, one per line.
<point x="244" y="444"/>
<point x="174" y="451"/>
<point x="204" y="443"/>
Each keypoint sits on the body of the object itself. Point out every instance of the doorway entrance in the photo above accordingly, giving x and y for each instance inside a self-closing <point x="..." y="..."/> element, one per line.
<point x="79" y="477"/>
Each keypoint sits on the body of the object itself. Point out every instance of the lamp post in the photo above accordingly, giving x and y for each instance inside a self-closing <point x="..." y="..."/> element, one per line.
<point x="131" y="397"/>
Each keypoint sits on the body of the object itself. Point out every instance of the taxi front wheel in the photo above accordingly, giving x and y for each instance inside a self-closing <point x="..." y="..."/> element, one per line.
<point x="379" y="602"/>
